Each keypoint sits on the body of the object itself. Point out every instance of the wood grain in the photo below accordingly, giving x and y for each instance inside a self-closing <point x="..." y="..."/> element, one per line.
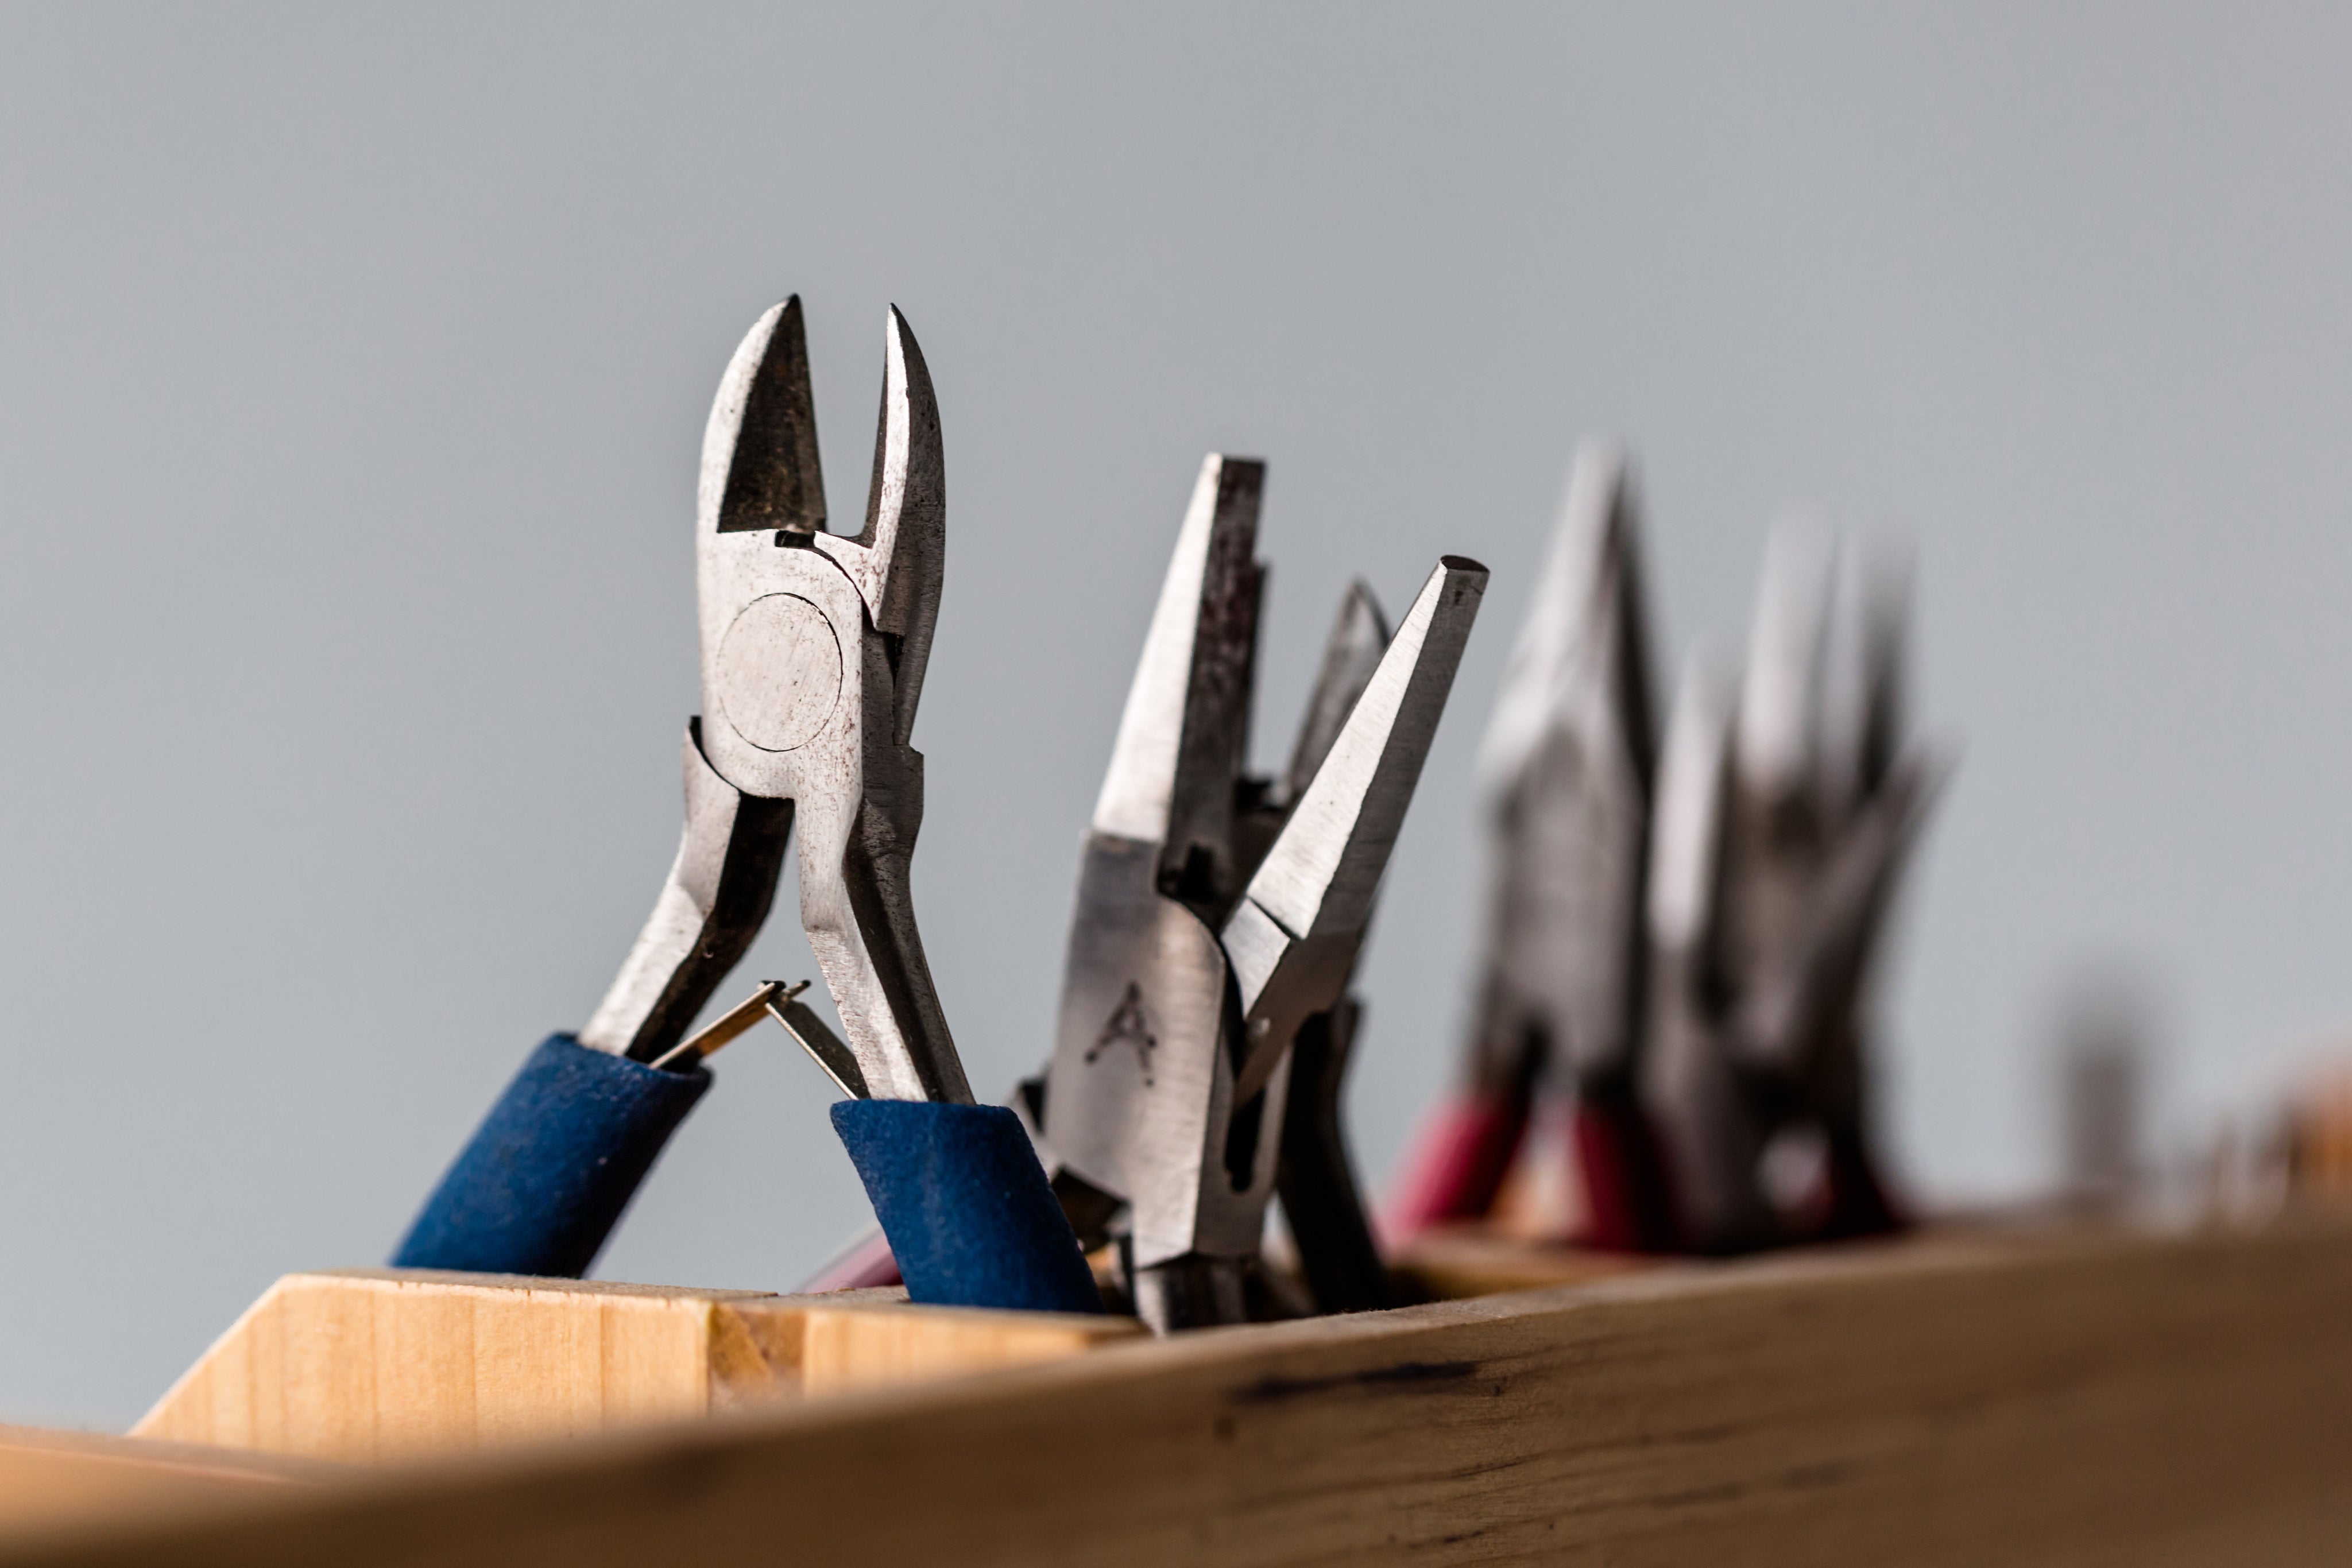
<point x="374" y="1365"/>
<point x="2016" y="1400"/>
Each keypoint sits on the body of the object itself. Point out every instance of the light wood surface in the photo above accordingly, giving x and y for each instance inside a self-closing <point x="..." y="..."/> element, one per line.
<point x="52" y="1479"/>
<point x="2100" y="1400"/>
<point x="373" y="1365"/>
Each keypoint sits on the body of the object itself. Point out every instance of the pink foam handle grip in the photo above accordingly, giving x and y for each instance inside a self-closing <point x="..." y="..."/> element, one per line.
<point x="866" y="1263"/>
<point x="1457" y="1166"/>
<point x="1628" y="1201"/>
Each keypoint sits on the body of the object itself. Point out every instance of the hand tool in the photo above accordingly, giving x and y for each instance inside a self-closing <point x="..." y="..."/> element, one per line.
<point x="1566" y="775"/>
<point x="1194" y="961"/>
<point x="813" y="648"/>
<point x="1315" y="1171"/>
<point x="1169" y="820"/>
<point x="1783" y="825"/>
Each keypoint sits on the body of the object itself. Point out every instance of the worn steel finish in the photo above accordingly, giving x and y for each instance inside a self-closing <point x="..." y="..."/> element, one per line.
<point x="1161" y="1111"/>
<point x="1294" y="937"/>
<point x="1183" y="737"/>
<point x="1198" y="1185"/>
<point x="1143" y="965"/>
<point x="813" y="647"/>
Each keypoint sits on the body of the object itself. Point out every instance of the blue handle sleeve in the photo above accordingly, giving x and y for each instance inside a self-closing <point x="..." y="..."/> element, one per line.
<point x="966" y="1205"/>
<point x="553" y="1165"/>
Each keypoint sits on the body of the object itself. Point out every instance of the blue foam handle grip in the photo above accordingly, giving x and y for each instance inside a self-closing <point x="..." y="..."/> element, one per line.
<point x="550" y="1168"/>
<point x="966" y="1205"/>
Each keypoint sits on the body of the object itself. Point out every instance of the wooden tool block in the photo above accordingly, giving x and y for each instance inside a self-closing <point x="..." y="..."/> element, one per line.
<point x="373" y="1365"/>
<point x="2048" y="1397"/>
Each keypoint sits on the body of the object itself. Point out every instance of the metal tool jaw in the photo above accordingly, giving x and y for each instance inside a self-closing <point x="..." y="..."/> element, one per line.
<point x="1143" y="962"/>
<point x="1689" y="1077"/>
<point x="813" y="650"/>
<point x="1778" y="830"/>
<point x="1566" y="772"/>
<point x="1292" y="938"/>
<point x="1201" y="941"/>
<point x="1127" y="1102"/>
<point x="1291" y="944"/>
<point x="1783" y="823"/>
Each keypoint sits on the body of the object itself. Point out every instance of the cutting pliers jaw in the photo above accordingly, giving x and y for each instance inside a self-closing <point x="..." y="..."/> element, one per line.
<point x="813" y="652"/>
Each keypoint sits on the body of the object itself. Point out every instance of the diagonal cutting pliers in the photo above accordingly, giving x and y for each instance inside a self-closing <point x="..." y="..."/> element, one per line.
<point x="813" y="647"/>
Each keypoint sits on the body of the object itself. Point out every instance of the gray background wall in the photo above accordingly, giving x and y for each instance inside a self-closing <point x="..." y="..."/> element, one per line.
<point x="354" y="366"/>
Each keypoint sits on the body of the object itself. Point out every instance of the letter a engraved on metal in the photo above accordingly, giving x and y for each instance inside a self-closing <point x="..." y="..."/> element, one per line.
<point x="1127" y="1023"/>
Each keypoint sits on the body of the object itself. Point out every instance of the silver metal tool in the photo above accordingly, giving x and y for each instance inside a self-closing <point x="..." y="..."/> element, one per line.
<point x="1783" y="825"/>
<point x="1162" y="858"/>
<point x="1291" y="944"/>
<point x="1565" y="775"/>
<point x="1194" y="962"/>
<point x="813" y="647"/>
<point x="1689" y="1081"/>
<point x="1566" y="770"/>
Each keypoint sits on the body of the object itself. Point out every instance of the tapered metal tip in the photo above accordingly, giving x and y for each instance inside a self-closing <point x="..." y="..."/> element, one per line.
<point x="1775" y="748"/>
<point x="1190" y="695"/>
<point x="1687" y="828"/>
<point x="759" y="466"/>
<point x="909" y="477"/>
<point x="1326" y="865"/>
<point x="1862" y="669"/>
<point x="1585" y="632"/>
<point x="1359" y="635"/>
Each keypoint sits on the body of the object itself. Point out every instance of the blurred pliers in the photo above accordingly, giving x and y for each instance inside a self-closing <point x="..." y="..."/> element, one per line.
<point x="1785" y="817"/>
<point x="813" y="647"/>
<point x="1217" y="924"/>
<point x="1566" y="779"/>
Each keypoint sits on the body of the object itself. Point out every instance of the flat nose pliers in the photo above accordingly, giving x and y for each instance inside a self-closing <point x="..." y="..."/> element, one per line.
<point x="1219" y="918"/>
